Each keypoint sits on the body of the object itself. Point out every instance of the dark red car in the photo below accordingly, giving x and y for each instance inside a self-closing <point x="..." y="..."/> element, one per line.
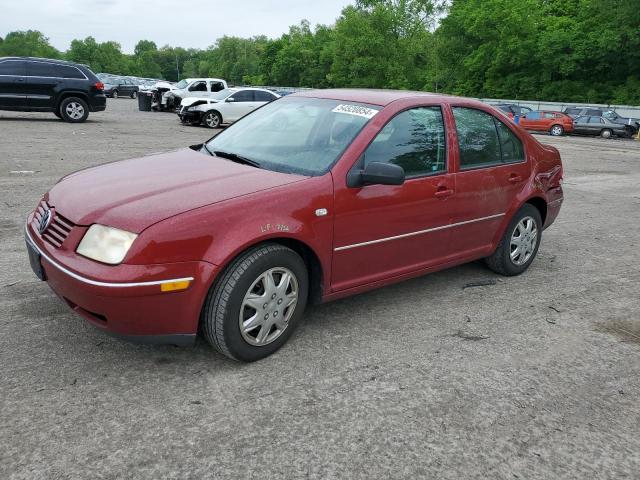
<point x="316" y="196"/>
<point x="556" y="123"/>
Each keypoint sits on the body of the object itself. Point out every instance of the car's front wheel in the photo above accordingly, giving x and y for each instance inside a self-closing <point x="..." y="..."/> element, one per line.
<point x="519" y="243"/>
<point x="212" y="119"/>
<point x="134" y="94"/>
<point x="556" y="130"/>
<point x="255" y="305"/>
<point x="73" y="110"/>
<point x="114" y="94"/>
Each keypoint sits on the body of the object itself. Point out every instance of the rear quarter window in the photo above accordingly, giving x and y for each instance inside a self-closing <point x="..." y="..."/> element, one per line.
<point x="65" y="71"/>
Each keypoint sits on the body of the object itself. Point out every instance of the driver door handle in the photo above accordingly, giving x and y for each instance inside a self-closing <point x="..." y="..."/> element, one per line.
<point x="443" y="191"/>
<point x="514" y="178"/>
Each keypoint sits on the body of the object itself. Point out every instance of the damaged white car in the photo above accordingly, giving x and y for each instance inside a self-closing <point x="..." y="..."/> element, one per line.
<point x="223" y="107"/>
<point x="190" y="87"/>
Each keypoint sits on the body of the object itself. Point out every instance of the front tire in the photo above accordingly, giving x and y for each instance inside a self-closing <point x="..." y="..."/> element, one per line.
<point x="134" y="94"/>
<point x="254" y="307"/>
<point x="73" y="110"/>
<point x="519" y="244"/>
<point x="556" y="130"/>
<point x="114" y="94"/>
<point x="212" y="120"/>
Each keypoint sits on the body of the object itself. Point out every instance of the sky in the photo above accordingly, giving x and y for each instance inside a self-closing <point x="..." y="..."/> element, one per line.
<point x="184" y="23"/>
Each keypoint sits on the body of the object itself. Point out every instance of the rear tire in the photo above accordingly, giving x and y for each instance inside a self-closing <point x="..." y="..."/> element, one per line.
<point x="255" y="305"/>
<point x="556" y="130"/>
<point x="73" y="110"/>
<point x="606" y="133"/>
<point x="519" y="243"/>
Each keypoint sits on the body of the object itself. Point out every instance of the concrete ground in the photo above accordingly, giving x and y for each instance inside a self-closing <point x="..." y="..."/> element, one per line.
<point x="529" y="377"/>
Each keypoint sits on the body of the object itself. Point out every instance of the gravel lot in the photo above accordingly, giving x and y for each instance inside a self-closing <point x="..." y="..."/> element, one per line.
<point x="528" y="377"/>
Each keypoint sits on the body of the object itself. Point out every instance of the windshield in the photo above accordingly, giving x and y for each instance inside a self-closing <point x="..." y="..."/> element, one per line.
<point x="610" y="115"/>
<point x="182" y="84"/>
<point x="222" y="94"/>
<point x="296" y="134"/>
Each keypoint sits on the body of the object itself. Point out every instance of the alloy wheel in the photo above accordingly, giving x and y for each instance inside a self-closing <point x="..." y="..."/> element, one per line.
<point x="74" y="110"/>
<point x="523" y="241"/>
<point x="212" y="120"/>
<point x="556" y="130"/>
<point x="268" y="306"/>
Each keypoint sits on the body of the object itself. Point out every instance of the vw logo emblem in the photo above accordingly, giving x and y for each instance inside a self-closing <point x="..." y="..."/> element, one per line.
<point x="44" y="221"/>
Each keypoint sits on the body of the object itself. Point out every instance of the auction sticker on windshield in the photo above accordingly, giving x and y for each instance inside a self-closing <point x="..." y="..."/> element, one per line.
<point x="355" y="110"/>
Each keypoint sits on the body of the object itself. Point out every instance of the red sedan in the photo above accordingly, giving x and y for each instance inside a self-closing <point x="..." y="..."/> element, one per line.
<point x="556" y="123"/>
<point x="316" y="196"/>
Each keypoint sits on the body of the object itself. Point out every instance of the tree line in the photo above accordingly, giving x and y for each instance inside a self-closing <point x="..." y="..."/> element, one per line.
<point x="555" y="50"/>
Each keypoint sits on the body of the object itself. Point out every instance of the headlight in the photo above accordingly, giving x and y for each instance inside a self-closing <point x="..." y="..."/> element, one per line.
<point x="105" y="244"/>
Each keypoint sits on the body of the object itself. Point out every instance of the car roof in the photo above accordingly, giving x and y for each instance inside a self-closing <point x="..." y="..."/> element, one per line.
<point x="375" y="97"/>
<point x="48" y="60"/>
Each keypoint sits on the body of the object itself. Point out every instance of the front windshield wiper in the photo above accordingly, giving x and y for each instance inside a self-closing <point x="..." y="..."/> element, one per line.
<point x="235" y="158"/>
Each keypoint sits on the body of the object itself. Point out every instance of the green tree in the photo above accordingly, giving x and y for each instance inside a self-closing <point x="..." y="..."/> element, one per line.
<point x="30" y="43"/>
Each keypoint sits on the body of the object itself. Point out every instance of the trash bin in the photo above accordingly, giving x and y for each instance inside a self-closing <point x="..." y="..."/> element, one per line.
<point x="144" y="101"/>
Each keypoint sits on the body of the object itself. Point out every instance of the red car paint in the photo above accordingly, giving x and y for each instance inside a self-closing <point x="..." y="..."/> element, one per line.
<point x="194" y="216"/>
<point x="543" y="121"/>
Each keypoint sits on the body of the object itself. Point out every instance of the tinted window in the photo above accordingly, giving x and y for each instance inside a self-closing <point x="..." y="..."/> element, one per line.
<point x="477" y="138"/>
<point x="243" y="96"/>
<point x="40" y="69"/>
<point x="12" y="67"/>
<point x="198" y="87"/>
<point x="533" y="116"/>
<point x="263" y="96"/>
<point x="414" y="140"/>
<point x="595" y="120"/>
<point x="68" y="72"/>
<point x="217" y="86"/>
<point x="581" y="120"/>
<point x="510" y="145"/>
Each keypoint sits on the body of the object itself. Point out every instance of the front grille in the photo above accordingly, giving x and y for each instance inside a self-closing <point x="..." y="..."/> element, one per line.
<point x="58" y="229"/>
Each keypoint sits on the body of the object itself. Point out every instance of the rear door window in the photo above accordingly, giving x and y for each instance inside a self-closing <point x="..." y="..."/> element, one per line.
<point x="13" y="68"/>
<point x="41" y="69"/>
<point x="477" y="138"/>
<point x="198" y="87"/>
<point x="263" y="96"/>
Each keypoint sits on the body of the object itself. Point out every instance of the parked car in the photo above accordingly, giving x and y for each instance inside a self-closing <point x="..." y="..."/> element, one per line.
<point x="224" y="107"/>
<point x="594" y="125"/>
<point x="633" y="124"/>
<point x="318" y="196"/>
<point x="190" y="87"/>
<point x="511" y="109"/>
<point x="121" y="87"/>
<point x="556" y="123"/>
<point x="67" y="89"/>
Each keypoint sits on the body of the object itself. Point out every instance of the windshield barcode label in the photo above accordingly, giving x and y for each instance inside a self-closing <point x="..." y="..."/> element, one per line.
<point x="355" y="110"/>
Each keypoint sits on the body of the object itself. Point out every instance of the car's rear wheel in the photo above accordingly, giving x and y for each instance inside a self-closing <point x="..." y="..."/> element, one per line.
<point x="519" y="244"/>
<point x="212" y="119"/>
<point x="606" y="133"/>
<point x="253" y="308"/>
<point x="73" y="110"/>
<point x="134" y="94"/>
<point x="556" y="130"/>
<point x="114" y="94"/>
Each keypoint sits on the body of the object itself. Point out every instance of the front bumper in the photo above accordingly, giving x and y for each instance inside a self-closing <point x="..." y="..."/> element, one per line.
<point x="187" y="116"/>
<point x="126" y="300"/>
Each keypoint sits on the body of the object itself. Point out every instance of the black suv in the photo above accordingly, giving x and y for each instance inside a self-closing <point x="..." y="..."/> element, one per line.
<point x="67" y="89"/>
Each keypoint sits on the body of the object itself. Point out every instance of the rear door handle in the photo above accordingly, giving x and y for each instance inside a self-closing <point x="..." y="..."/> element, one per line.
<point x="513" y="178"/>
<point x="443" y="192"/>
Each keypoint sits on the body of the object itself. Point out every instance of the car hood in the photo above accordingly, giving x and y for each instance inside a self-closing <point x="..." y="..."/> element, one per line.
<point x="134" y="194"/>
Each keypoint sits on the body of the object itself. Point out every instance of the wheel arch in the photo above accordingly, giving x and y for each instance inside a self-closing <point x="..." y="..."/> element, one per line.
<point x="541" y="205"/>
<point x="71" y="93"/>
<point x="308" y="255"/>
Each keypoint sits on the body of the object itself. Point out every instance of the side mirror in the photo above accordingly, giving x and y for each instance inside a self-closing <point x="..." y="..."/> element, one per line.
<point x="376" y="173"/>
<point x="231" y="99"/>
